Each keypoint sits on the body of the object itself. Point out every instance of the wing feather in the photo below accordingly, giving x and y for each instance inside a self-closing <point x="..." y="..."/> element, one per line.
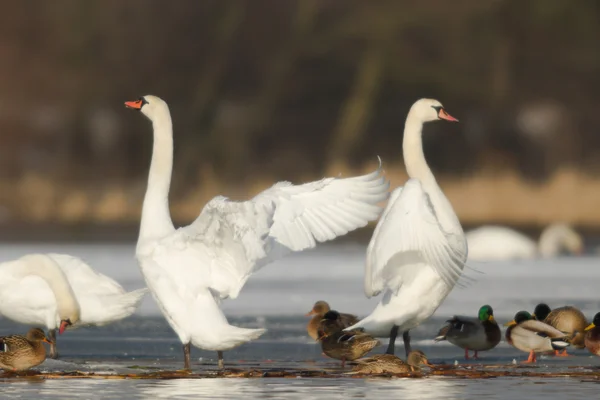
<point x="409" y="234"/>
<point x="245" y="236"/>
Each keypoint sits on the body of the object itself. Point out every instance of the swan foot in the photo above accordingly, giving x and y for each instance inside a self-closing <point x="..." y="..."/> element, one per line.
<point x="220" y="363"/>
<point x="391" y="346"/>
<point x="53" y="351"/>
<point x="186" y="356"/>
<point x="406" y="339"/>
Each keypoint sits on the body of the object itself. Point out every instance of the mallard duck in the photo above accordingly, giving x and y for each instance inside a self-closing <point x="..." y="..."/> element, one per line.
<point x="318" y="311"/>
<point x="592" y="336"/>
<point x="23" y="352"/>
<point x="566" y="319"/>
<point x="469" y="333"/>
<point x="390" y="364"/>
<point x="529" y="335"/>
<point x="342" y="345"/>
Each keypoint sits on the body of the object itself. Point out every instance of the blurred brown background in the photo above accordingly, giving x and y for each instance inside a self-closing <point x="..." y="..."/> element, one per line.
<point x="269" y="90"/>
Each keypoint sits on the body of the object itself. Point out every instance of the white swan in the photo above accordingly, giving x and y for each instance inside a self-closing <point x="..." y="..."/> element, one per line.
<point x="500" y="243"/>
<point x="58" y="290"/>
<point x="191" y="269"/>
<point x="418" y="250"/>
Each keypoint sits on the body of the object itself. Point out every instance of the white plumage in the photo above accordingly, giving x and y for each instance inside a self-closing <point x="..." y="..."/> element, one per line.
<point x="418" y="250"/>
<point x="191" y="269"/>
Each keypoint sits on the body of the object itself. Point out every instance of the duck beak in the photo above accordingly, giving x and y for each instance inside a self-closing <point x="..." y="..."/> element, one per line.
<point x="533" y="316"/>
<point x="510" y="323"/>
<point x="136" y="105"/>
<point x="491" y="318"/>
<point x="444" y="115"/>
<point x="46" y="340"/>
<point x="590" y="326"/>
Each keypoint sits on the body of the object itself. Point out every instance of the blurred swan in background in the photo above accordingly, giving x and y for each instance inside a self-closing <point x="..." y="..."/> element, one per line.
<point x="502" y="243"/>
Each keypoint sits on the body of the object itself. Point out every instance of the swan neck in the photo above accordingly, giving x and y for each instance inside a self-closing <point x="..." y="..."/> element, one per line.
<point x="156" y="218"/>
<point x="47" y="269"/>
<point x="412" y="147"/>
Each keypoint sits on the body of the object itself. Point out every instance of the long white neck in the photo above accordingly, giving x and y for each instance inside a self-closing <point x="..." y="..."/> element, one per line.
<point x="156" y="217"/>
<point x="43" y="266"/>
<point x="412" y="148"/>
<point x="417" y="168"/>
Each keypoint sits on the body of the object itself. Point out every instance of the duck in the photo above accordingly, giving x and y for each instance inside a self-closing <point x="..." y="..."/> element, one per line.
<point x="341" y="345"/>
<point x="61" y="291"/>
<point x="418" y="250"/>
<point x="496" y="243"/>
<point x="190" y="270"/>
<point x="318" y="311"/>
<point x="533" y="336"/>
<point x="390" y="364"/>
<point x="479" y="334"/>
<point x="23" y="352"/>
<point x="592" y="336"/>
<point x="567" y="319"/>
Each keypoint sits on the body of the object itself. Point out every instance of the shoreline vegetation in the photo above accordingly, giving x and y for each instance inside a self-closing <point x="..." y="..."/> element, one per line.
<point x="111" y="211"/>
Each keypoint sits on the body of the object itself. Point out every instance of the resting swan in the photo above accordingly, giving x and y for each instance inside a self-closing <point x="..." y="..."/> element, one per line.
<point x="191" y="269"/>
<point x="501" y="243"/>
<point x="418" y="250"/>
<point x="58" y="290"/>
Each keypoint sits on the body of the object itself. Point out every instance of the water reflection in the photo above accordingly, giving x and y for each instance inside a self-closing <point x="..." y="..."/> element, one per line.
<point x="302" y="388"/>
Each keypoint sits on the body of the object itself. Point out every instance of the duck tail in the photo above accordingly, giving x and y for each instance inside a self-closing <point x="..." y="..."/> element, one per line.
<point x="442" y="333"/>
<point x="559" y="343"/>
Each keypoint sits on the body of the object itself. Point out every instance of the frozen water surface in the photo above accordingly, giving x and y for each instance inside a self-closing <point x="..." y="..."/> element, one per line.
<point x="276" y="298"/>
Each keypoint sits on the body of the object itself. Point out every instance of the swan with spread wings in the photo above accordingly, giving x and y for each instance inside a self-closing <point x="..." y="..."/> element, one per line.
<point x="191" y="269"/>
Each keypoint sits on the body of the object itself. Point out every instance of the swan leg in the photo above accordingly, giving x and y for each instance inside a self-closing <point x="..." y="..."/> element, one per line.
<point x="53" y="351"/>
<point x="467" y="354"/>
<point x="391" y="345"/>
<point x="406" y="339"/>
<point x="186" y="356"/>
<point x="559" y="354"/>
<point x="531" y="358"/>
<point x="220" y="357"/>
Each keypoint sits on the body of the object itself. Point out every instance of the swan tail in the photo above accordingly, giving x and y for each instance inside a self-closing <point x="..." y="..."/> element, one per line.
<point x="123" y="306"/>
<point x="230" y="337"/>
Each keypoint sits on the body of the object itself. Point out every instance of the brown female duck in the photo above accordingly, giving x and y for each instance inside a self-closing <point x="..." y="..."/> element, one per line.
<point x="23" y="352"/>
<point x="319" y="310"/>
<point x="344" y="346"/>
<point x="592" y="336"/>
<point x="390" y="364"/>
<point x="566" y="319"/>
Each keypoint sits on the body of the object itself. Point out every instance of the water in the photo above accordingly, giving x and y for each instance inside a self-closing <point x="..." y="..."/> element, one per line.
<point x="276" y="298"/>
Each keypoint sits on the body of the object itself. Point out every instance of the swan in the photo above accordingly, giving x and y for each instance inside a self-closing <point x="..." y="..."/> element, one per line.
<point x="418" y="249"/>
<point x="191" y="269"/>
<point x="59" y="290"/>
<point x="500" y="243"/>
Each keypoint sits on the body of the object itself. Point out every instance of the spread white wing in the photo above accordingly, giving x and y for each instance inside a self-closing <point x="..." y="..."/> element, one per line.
<point x="241" y="237"/>
<point x="408" y="237"/>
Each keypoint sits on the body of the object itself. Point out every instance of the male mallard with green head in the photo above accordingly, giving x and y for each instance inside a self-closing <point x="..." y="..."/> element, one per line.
<point x="469" y="333"/>
<point x="344" y="346"/>
<point x="390" y="364"/>
<point x="23" y="352"/>
<point x="566" y="319"/>
<point x="318" y="312"/>
<point x="529" y="335"/>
